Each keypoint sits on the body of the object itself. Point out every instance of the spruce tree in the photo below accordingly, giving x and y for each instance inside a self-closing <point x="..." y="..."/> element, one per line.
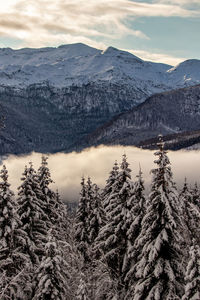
<point x="94" y="221"/>
<point x="48" y="197"/>
<point x="192" y="276"/>
<point x="89" y="202"/>
<point x="63" y="225"/>
<point x="112" y="237"/>
<point x="135" y="213"/>
<point x="191" y="215"/>
<point x="96" y="217"/>
<point x="89" y="219"/>
<point x="32" y="215"/>
<point x="109" y="185"/>
<point x="54" y="210"/>
<point x="157" y="270"/>
<point x="186" y="192"/>
<point x="137" y="209"/>
<point x="52" y="276"/>
<point x="13" y="260"/>
<point x="196" y="195"/>
<point x="81" y="223"/>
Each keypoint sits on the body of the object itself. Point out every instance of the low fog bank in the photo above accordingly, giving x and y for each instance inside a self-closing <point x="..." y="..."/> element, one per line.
<point x="67" y="169"/>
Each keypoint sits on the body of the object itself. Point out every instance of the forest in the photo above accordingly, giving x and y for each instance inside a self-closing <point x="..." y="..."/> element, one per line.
<point x="120" y="244"/>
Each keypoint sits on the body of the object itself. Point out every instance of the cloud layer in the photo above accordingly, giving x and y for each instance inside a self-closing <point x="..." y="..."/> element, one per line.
<point x="67" y="169"/>
<point x="157" y="57"/>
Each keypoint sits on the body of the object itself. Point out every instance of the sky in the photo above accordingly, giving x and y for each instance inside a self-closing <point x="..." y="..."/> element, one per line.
<point x="67" y="169"/>
<point x="157" y="30"/>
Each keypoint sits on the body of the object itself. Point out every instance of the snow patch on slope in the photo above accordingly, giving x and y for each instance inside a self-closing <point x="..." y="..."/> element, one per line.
<point x="187" y="72"/>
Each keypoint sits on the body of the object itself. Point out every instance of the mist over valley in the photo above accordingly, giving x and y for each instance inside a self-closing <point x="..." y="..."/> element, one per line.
<point x="67" y="169"/>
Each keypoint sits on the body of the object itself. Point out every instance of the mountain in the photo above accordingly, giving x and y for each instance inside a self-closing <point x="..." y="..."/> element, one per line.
<point x="166" y="113"/>
<point x="52" y="98"/>
<point x="79" y="64"/>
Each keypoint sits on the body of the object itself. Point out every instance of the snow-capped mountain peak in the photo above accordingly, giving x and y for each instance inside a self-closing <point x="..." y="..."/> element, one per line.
<point x="80" y="64"/>
<point x="114" y="52"/>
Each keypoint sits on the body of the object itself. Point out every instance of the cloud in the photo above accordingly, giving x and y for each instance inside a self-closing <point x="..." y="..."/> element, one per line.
<point x="180" y="2"/>
<point x="41" y="23"/>
<point x="67" y="169"/>
<point x="12" y="24"/>
<point x="157" y="57"/>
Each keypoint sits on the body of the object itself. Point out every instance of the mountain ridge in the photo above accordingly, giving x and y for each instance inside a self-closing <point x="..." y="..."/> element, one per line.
<point x="80" y="64"/>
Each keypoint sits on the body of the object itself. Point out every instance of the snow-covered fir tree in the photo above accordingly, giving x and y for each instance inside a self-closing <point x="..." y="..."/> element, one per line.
<point x="89" y="218"/>
<point x="52" y="276"/>
<point x="186" y="192"/>
<point x="192" y="276"/>
<point x="112" y="237"/>
<point x="89" y="200"/>
<point x="63" y="225"/>
<point x="32" y="214"/>
<point x="157" y="270"/>
<point x="135" y="213"/>
<point x="55" y="211"/>
<point x="64" y="234"/>
<point x="13" y="260"/>
<point x="96" y="218"/>
<point x="191" y="215"/>
<point x="109" y="185"/>
<point x="94" y="221"/>
<point x="137" y="209"/>
<point x="81" y="223"/>
<point x="50" y="203"/>
<point x="196" y="195"/>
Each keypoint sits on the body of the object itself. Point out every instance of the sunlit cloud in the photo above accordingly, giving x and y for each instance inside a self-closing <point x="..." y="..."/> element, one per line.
<point x="42" y="23"/>
<point x="157" y="57"/>
<point x="180" y="2"/>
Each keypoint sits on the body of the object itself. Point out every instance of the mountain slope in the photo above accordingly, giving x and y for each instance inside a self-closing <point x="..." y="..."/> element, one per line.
<point x="166" y="113"/>
<point x="47" y="119"/>
<point x="52" y="98"/>
<point x="176" y="141"/>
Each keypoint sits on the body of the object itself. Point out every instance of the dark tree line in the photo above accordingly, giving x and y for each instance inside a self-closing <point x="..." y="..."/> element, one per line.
<point x="120" y="245"/>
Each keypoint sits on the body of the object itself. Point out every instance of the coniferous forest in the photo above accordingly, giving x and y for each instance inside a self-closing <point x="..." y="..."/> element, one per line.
<point x="121" y="244"/>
